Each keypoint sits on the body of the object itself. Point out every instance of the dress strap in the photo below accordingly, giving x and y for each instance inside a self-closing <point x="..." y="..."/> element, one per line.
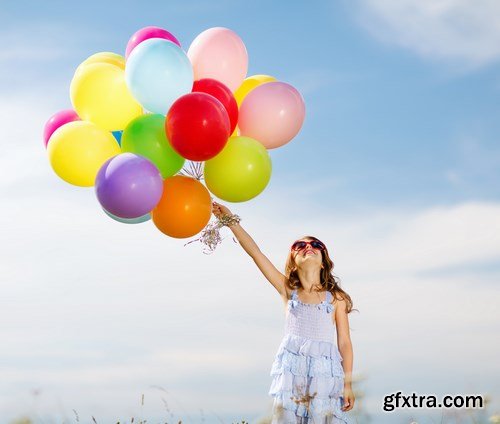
<point x="329" y="296"/>
<point x="294" y="294"/>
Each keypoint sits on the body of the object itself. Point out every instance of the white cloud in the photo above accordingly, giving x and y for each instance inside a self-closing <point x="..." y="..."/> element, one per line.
<point x="95" y="312"/>
<point x="91" y="303"/>
<point x="463" y="31"/>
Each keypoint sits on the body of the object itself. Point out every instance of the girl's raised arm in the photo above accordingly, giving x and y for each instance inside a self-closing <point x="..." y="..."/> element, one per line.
<point x="276" y="278"/>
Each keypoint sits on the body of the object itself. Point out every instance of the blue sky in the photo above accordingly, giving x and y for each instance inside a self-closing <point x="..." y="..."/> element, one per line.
<point x="397" y="167"/>
<point x="396" y="126"/>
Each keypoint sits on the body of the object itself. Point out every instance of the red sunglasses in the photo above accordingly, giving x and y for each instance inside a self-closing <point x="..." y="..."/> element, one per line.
<point x="315" y="244"/>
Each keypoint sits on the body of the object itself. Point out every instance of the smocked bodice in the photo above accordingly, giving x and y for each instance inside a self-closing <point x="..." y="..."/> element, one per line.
<point x="312" y="321"/>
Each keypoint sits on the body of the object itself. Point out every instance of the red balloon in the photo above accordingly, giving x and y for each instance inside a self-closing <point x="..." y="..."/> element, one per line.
<point x="223" y="94"/>
<point x="197" y="126"/>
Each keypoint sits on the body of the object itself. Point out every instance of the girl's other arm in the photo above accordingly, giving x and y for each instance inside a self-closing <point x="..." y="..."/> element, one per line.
<point x="345" y="347"/>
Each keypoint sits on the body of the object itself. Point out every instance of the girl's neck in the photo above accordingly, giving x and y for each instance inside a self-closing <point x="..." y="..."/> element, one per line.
<point x="310" y="279"/>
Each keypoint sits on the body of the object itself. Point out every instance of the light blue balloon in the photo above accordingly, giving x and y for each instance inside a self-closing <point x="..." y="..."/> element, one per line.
<point x="157" y="73"/>
<point x="137" y="220"/>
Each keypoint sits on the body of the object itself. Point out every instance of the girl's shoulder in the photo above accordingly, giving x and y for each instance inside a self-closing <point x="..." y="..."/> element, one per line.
<point x="339" y="302"/>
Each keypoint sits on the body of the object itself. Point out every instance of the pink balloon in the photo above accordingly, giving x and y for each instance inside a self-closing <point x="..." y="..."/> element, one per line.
<point x="272" y="113"/>
<point x="57" y="120"/>
<point x="147" y="33"/>
<point x="220" y="54"/>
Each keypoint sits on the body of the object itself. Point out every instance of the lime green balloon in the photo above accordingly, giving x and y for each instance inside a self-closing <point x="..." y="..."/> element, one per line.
<point x="146" y="136"/>
<point x="240" y="171"/>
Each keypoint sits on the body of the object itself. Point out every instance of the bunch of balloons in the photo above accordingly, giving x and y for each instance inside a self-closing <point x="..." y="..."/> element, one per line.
<point x="137" y="118"/>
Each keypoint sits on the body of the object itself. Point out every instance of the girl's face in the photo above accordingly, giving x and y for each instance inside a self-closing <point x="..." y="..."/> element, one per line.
<point x="307" y="255"/>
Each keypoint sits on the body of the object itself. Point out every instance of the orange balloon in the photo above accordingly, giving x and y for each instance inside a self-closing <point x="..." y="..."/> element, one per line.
<point x="184" y="208"/>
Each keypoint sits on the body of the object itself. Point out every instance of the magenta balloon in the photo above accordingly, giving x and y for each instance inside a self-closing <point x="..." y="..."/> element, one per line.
<point x="57" y="120"/>
<point x="147" y="33"/>
<point x="272" y="113"/>
<point x="128" y="185"/>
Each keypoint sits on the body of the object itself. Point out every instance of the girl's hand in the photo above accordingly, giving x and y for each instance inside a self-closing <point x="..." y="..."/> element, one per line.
<point x="348" y="399"/>
<point x="220" y="210"/>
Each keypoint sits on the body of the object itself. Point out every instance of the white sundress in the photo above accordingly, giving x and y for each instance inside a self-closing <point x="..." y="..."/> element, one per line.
<point x="307" y="374"/>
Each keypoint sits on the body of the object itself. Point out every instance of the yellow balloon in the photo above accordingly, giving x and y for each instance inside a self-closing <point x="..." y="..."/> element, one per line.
<point x="236" y="132"/>
<point x="105" y="57"/>
<point x="249" y="84"/>
<point x="100" y="94"/>
<point x="78" y="149"/>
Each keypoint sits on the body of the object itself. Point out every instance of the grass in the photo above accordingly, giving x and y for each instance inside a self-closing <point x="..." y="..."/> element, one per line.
<point x="358" y="415"/>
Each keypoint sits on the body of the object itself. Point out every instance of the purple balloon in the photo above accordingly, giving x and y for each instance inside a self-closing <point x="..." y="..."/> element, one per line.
<point x="147" y="33"/>
<point x="57" y="120"/>
<point x="128" y="185"/>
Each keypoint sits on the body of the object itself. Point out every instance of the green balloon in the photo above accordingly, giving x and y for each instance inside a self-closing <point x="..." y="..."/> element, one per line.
<point x="146" y="136"/>
<point x="240" y="171"/>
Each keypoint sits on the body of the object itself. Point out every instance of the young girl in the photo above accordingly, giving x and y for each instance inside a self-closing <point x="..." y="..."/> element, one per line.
<point x="311" y="377"/>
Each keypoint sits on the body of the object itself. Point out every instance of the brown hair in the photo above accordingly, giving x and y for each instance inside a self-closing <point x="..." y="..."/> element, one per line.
<point x="329" y="281"/>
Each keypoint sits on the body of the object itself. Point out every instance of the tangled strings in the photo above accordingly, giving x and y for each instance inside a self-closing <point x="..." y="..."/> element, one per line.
<point x="210" y="235"/>
<point x="194" y="169"/>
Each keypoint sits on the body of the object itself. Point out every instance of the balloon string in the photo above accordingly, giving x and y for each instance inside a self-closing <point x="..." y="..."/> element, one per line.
<point x="194" y="170"/>
<point x="210" y="236"/>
